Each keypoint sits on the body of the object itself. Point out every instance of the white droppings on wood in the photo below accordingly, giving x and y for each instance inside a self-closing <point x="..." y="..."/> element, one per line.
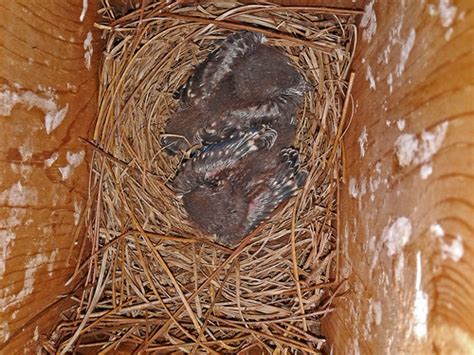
<point x="356" y="347"/>
<point x="395" y="39"/>
<point x="431" y="142"/>
<point x="357" y="190"/>
<point x="88" y="50"/>
<point x="65" y="172"/>
<point x="407" y="46"/>
<point x="448" y="34"/>
<point x="390" y="82"/>
<point x="362" y="187"/>
<point x="406" y="147"/>
<point x="397" y="235"/>
<point x="436" y="230"/>
<point x="401" y="124"/>
<point x="50" y="161"/>
<point x="14" y="219"/>
<point x="83" y="11"/>
<point x="378" y="167"/>
<point x="420" y="307"/>
<point x="426" y="170"/>
<point x="373" y="248"/>
<point x="384" y="57"/>
<point x="453" y="250"/>
<point x="353" y="187"/>
<point x="74" y="160"/>
<point x="409" y="149"/>
<point x="4" y="332"/>
<point x="46" y="102"/>
<point x="374" y="183"/>
<point x="363" y="138"/>
<point x="19" y="196"/>
<point x="447" y="15"/>
<point x="370" y="78"/>
<point x="371" y="243"/>
<point x="47" y="90"/>
<point x="377" y="309"/>
<point x="447" y="12"/>
<point x="26" y="151"/>
<point x="31" y="267"/>
<point x="52" y="120"/>
<point x="22" y="169"/>
<point x="400" y="268"/>
<point x="7" y="238"/>
<point x="71" y="87"/>
<point x="374" y="315"/>
<point x="52" y="258"/>
<point x="369" y="22"/>
<point x="77" y="211"/>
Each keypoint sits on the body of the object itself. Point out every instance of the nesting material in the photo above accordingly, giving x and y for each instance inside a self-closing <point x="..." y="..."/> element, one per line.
<point x="148" y="279"/>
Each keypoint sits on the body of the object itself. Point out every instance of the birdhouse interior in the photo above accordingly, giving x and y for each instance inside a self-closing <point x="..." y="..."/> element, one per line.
<point x="224" y="177"/>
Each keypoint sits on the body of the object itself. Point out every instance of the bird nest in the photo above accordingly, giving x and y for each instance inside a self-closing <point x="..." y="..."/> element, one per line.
<point x="149" y="279"/>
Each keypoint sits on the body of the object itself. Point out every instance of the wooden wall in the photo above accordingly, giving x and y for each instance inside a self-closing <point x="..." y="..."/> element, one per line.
<point x="407" y="218"/>
<point x="48" y="98"/>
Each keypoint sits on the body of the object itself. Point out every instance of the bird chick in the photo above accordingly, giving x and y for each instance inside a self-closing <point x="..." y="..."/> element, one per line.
<point x="228" y="191"/>
<point x="208" y="75"/>
<point x="210" y="165"/>
<point x="242" y="84"/>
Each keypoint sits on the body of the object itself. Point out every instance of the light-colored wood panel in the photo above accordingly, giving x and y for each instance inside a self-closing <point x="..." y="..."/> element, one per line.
<point x="413" y="77"/>
<point x="48" y="92"/>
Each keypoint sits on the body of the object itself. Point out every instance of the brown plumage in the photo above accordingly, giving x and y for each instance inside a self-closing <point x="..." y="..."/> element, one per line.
<point x="230" y="187"/>
<point x="240" y="106"/>
<point x="243" y="83"/>
<point x="214" y="163"/>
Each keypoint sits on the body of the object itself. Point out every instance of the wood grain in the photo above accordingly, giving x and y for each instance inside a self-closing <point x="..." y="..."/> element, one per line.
<point x="43" y="70"/>
<point x="378" y="314"/>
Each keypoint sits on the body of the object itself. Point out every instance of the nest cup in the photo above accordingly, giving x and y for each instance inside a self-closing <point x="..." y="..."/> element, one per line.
<point x="148" y="279"/>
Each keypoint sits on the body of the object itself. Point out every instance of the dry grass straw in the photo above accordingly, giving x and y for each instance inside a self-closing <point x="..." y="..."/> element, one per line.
<point x="152" y="282"/>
